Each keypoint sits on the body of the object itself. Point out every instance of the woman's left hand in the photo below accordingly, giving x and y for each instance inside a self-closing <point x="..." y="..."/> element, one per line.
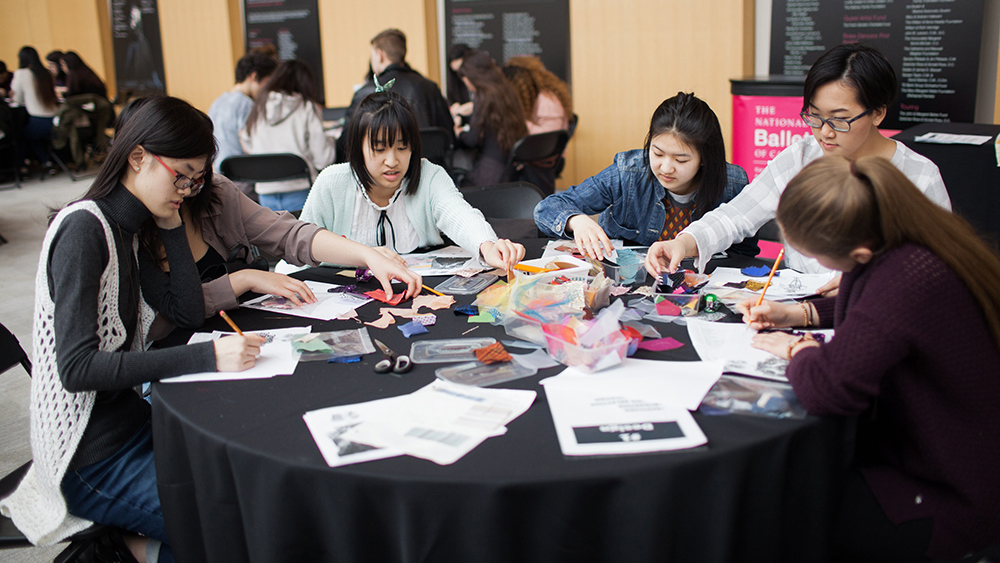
<point x="502" y="254"/>
<point x="782" y="344"/>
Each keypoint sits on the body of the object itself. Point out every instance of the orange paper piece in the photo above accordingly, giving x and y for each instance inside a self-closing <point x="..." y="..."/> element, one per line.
<point x="384" y="321"/>
<point x="432" y="301"/>
<point x="403" y="313"/>
<point x="379" y="295"/>
<point x="352" y="314"/>
<point x="492" y="354"/>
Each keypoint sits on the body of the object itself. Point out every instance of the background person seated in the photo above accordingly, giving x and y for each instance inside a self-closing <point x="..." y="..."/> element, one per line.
<point x="545" y="99"/>
<point x="230" y="110"/>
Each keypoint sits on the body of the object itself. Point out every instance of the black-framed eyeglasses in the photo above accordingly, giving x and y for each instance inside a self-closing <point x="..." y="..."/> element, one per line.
<point x="838" y="124"/>
<point x="182" y="182"/>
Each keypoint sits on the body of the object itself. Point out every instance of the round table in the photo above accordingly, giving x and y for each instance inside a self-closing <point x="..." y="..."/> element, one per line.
<point x="241" y="479"/>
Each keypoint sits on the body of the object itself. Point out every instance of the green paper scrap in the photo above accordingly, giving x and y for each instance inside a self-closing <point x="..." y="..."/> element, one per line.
<point x="313" y="345"/>
<point x="482" y="317"/>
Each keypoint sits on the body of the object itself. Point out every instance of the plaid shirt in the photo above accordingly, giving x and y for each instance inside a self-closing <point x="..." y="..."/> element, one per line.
<point x="758" y="202"/>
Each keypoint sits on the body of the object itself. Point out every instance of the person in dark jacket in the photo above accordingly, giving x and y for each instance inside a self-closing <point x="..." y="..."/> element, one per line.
<point x="388" y="61"/>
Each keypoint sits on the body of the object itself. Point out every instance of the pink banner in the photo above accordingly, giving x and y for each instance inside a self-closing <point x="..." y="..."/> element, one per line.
<point x="762" y="127"/>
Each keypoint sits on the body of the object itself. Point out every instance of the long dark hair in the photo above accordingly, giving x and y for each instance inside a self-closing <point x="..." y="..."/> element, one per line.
<point x="28" y="58"/>
<point x="833" y="206"/>
<point x="164" y="126"/>
<point x="457" y="92"/>
<point x="692" y="122"/>
<point x="80" y="78"/>
<point x="863" y="68"/>
<point x="384" y="117"/>
<point x="497" y="107"/>
<point x="290" y="77"/>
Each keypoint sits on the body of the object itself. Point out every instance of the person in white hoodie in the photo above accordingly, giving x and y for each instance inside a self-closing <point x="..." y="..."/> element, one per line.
<point x="286" y="118"/>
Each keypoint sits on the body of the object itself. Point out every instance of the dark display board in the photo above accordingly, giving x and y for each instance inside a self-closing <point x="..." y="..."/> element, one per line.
<point x="135" y="30"/>
<point x="291" y="26"/>
<point x="508" y="28"/>
<point x="932" y="44"/>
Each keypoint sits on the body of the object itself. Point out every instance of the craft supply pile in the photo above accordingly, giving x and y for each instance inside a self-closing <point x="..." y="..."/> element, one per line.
<point x="561" y="309"/>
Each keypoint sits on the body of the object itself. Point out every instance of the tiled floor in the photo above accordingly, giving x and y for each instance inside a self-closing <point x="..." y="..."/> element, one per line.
<point x="23" y="218"/>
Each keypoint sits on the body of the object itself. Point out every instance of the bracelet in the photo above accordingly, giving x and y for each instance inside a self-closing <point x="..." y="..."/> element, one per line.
<point x="806" y="317"/>
<point x="793" y="344"/>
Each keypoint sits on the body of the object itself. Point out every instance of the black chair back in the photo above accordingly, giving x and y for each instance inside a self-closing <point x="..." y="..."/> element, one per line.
<point x="437" y="145"/>
<point x="11" y="352"/>
<point x="509" y="207"/>
<point x="534" y="158"/>
<point x="271" y="167"/>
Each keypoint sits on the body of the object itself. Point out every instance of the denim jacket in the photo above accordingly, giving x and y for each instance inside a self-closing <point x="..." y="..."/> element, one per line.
<point x="629" y="201"/>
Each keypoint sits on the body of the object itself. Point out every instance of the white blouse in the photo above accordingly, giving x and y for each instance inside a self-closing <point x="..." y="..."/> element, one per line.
<point x="400" y="235"/>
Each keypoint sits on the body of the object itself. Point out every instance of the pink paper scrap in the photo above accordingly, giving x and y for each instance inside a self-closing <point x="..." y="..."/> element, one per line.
<point x="660" y="344"/>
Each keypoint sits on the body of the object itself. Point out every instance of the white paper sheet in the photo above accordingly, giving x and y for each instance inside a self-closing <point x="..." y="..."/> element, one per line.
<point x="328" y="306"/>
<point x="952" y="139"/>
<point x="787" y="284"/>
<point x="426" y="265"/>
<point x="328" y="425"/>
<point x="683" y="383"/>
<point x="277" y="356"/>
<point x="443" y="421"/>
<point x="731" y="342"/>
<point x="596" y="417"/>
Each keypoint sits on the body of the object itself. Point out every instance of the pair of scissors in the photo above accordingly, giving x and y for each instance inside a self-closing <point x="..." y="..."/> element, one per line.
<point x="393" y="362"/>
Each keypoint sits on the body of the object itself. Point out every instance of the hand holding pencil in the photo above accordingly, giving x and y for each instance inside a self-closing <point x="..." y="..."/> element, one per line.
<point x="237" y="352"/>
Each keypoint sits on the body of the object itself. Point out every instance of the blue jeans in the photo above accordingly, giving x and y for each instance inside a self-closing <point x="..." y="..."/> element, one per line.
<point x="120" y="491"/>
<point x="37" y="135"/>
<point x="288" y="201"/>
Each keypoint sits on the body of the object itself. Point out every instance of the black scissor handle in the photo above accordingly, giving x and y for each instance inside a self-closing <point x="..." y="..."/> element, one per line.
<point x="403" y="365"/>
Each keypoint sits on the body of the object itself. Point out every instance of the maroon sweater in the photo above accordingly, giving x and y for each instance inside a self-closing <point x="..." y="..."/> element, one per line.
<point x="914" y="356"/>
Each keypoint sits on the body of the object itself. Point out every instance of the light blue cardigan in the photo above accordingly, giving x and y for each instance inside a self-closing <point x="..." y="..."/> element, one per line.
<point x="437" y="207"/>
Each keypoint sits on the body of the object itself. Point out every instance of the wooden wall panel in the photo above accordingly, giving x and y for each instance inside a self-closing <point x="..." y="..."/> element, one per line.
<point x="347" y="28"/>
<point x="197" y="49"/>
<point x="25" y="22"/>
<point x="630" y="55"/>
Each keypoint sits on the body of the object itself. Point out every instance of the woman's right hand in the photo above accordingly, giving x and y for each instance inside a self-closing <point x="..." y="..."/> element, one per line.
<point x="769" y="314"/>
<point x="667" y="254"/>
<point x="590" y="237"/>
<point x="271" y="283"/>
<point x="237" y="352"/>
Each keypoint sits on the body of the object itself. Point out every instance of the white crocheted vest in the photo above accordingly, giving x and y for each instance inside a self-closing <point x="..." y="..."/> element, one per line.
<point x="58" y="417"/>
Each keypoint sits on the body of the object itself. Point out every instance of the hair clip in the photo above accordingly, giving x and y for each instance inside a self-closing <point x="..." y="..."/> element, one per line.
<point x="380" y="87"/>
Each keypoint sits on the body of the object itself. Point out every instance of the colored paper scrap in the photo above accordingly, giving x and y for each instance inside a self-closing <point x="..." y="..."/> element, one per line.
<point x="345" y="359"/>
<point x="492" y="354"/>
<point x="383" y="321"/>
<point x="411" y="328"/>
<point x="433" y="302"/>
<point x="660" y="344"/>
<point x="522" y="344"/>
<point x="470" y="310"/>
<point x="352" y="314"/>
<point x="311" y="345"/>
<point x="483" y="317"/>
<point x="620" y="290"/>
<point x="379" y="295"/>
<point x="647" y="331"/>
<point x="646" y="290"/>
<point x="756" y="271"/>
<point x="667" y="309"/>
<point x="430" y="319"/>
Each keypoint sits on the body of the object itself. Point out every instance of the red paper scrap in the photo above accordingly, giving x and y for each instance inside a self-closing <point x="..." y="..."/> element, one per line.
<point x="379" y="295"/>
<point x="660" y="344"/>
<point x="492" y="354"/>
<point x="667" y="309"/>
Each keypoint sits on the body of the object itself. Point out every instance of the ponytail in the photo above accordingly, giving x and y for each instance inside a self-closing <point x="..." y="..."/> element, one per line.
<point x="835" y="205"/>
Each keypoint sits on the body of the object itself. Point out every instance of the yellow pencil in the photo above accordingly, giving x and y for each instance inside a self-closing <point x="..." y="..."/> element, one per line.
<point x="431" y="290"/>
<point x="226" y="318"/>
<point x="768" y="283"/>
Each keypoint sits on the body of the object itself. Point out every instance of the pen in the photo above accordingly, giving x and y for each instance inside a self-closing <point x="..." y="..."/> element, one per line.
<point x="226" y="318"/>
<point x="435" y="292"/>
<point x="769" y="277"/>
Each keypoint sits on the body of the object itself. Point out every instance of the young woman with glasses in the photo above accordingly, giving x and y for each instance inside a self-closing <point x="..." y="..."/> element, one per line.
<point x="222" y="224"/>
<point x="91" y="438"/>
<point x="847" y="93"/>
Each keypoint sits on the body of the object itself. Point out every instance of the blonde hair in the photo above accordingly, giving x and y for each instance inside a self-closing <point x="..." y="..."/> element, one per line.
<point x="835" y="205"/>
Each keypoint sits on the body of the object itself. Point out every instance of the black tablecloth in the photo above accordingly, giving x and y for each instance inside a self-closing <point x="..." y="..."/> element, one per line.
<point x="970" y="172"/>
<point x="241" y="479"/>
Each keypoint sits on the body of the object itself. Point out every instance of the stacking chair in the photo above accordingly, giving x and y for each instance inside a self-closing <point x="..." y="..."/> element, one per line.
<point x="271" y="167"/>
<point x="9" y="160"/>
<point x="534" y="158"/>
<point x="81" y="130"/>
<point x="509" y="207"/>
<point x="437" y="145"/>
<point x="81" y="543"/>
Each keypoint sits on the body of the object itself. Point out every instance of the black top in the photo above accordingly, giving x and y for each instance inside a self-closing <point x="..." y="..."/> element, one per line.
<point x="424" y="96"/>
<point x="490" y="164"/>
<point x="77" y="259"/>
